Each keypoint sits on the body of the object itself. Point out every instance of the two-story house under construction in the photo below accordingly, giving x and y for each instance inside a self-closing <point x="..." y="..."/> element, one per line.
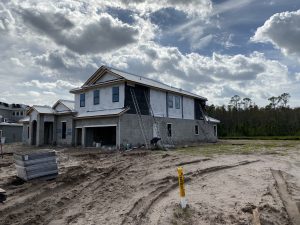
<point x="117" y="109"/>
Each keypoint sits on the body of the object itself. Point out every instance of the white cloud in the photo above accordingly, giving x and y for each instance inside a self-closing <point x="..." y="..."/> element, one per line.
<point x="59" y="84"/>
<point x="282" y="30"/>
<point x="40" y="64"/>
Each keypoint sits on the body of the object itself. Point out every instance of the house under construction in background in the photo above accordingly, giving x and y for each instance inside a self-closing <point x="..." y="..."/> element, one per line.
<point x="116" y="108"/>
<point x="10" y="114"/>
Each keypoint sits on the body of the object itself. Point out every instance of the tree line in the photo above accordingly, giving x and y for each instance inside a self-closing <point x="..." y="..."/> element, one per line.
<point x="242" y="117"/>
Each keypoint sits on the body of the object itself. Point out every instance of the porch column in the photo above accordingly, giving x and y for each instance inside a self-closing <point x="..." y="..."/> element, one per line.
<point x="83" y="137"/>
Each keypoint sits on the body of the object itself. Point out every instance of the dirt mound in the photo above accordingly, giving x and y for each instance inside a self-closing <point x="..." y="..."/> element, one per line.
<point x="141" y="187"/>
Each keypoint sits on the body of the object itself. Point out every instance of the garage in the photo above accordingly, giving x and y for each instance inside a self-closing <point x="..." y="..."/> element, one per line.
<point x="101" y="136"/>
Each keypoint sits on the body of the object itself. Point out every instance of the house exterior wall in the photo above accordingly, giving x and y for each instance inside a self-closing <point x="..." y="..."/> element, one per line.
<point x="11" y="133"/>
<point x="188" y="108"/>
<point x="61" y="108"/>
<point x="106" y="77"/>
<point x="94" y="122"/>
<point x="183" y="130"/>
<point x="174" y="112"/>
<point x="5" y="113"/>
<point x="26" y="133"/>
<point x="158" y="102"/>
<point x="105" y="99"/>
<point x="70" y="130"/>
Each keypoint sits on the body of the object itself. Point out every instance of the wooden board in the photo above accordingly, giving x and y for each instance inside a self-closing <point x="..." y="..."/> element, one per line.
<point x="256" y="220"/>
<point x="2" y="191"/>
<point x="289" y="204"/>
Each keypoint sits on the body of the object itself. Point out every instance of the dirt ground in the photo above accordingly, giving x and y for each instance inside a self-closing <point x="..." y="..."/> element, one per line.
<point x="224" y="182"/>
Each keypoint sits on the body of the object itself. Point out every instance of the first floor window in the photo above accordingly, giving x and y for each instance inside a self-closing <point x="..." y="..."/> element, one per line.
<point x="170" y="101"/>
<point x="13" y="113"/>
<point x="82" y="100"/>
<point x="115" y="94"/>
<point x="28" y="132"/>
<point x="196" y="129"/>
<point x="177" y="102"/>
<point x="169" y="129"/>
<point x="215" y="131"/>
<point x="63" y="130"/>
<point x="96" y="97"/>
<point x="0" y="133"/>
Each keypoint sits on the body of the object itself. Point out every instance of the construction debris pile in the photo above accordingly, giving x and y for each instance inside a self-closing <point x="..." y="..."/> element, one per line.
<point x="34" y="164"/>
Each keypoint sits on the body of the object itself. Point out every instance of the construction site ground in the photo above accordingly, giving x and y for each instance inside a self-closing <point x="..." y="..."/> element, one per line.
<point x="224" y="182"/>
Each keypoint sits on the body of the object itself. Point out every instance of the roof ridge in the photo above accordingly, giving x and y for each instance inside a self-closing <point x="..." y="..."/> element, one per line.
<point x="65" y="100"/>
<point x="142" y="77"/>
<point x="147" y="78"/>
<point x="44" y="106"/>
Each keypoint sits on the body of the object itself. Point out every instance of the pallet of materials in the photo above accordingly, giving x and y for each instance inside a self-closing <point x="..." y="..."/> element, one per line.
<point x="2" y="195"/>
<point x="36" y="164"/>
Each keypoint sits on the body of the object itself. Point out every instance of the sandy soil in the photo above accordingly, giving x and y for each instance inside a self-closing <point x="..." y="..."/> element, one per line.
<point x="141" y="187"/>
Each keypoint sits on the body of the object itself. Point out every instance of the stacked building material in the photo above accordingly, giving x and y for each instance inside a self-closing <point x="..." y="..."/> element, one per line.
<point x="2" y="195"/>
<point x="35" y="164"/>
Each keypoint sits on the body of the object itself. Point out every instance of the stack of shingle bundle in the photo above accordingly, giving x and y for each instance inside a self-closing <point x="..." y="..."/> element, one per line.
<point x="36" y="163"/>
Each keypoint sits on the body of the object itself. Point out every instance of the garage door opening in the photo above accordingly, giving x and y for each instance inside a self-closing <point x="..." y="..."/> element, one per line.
<point x="101" y="136"/>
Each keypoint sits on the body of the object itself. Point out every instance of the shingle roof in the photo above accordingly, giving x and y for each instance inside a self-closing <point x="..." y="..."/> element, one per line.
<point x="152" y="83"/>
<point x="212" y="120"/>
<point x="99" y="113"/>
<point x="136" y="79"/>
<point x="25" y="119"/>
<point x="68" y="103"/>
<point x="10" y="124"/>
<point x="42" y="109"/>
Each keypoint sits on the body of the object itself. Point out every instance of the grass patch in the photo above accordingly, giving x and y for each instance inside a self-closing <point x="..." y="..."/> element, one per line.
<point x="262" y="138"/>
<point x="232" y="147"/>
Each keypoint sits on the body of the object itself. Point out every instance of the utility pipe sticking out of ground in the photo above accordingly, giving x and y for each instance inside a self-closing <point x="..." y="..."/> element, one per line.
<point x="183" y="201"/>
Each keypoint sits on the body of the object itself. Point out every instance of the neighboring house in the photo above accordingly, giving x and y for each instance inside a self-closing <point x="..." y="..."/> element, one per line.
<point x="10" y="132"/>
<point x="10" y="114"/>
<point x="115" y="108"/>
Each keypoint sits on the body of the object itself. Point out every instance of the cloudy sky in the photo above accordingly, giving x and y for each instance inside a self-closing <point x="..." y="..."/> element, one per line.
<point x="216" y="48"/>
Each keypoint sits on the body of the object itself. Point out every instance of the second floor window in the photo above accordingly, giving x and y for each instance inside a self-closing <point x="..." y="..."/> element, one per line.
<point x="170" y="101"/>
<point x="82" y="100"/>
<point x="96" y="97"/>
<point x="177" y="102"/>
<point x="115" y="94"/>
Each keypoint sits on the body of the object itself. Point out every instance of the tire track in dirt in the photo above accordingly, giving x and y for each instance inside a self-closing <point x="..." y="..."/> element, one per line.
<point x="137" y="214"/>
<point x="72" y="184"/>
<point x="90" y="187"/>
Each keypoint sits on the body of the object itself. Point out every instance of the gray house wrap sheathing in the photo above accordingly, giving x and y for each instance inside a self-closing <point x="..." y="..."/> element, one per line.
<point x="107" y="109"/>
<point x="12" y="132"/>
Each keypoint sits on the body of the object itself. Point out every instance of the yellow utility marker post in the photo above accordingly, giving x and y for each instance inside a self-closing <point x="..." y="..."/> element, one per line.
<point x="183" y="201"/>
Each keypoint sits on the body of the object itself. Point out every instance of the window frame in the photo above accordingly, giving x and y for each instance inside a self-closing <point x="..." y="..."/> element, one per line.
<point x="82" y="100"/>
<point x="96" y="99"/>
<point x="170" y="101"/>
<point x="196" y="129"/>
<point x="63" y="129"/>
<point x="215" y="130"/>
<point x="177" y="102"/>
<point x="169" y="131"/>
<point x="116" y="95"/>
